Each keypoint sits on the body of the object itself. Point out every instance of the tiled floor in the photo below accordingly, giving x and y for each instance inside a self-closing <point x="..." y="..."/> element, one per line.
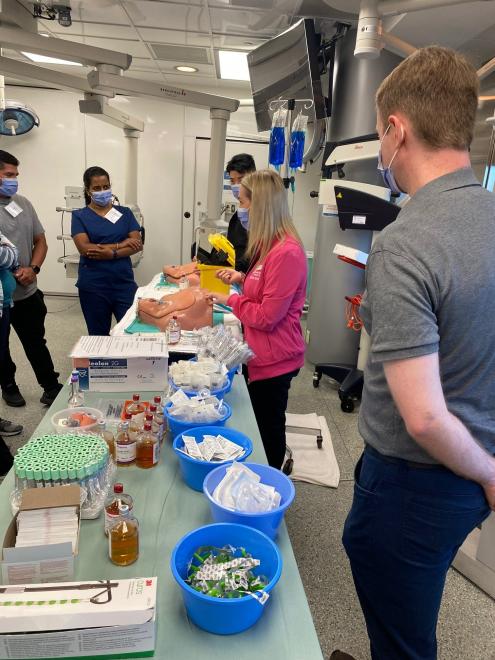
<point x="315" y="521"/>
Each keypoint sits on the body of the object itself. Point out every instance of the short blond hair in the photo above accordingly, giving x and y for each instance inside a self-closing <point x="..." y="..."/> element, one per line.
<point x="437" y="89"/>
<point x="269" y="215"/>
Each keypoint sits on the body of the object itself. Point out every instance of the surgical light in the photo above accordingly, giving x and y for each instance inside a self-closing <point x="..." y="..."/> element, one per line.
<point x="17" y="119"/>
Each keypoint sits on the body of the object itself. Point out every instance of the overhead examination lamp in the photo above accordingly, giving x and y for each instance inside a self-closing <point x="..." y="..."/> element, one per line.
<point x="17" y="119"/>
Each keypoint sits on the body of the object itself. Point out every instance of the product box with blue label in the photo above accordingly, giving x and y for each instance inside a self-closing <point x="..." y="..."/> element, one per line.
<point x="121" y="364"/>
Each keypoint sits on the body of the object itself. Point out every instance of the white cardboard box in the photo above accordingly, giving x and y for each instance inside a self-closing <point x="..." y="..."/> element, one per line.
<point x="40" y="563"/>
<point x="122" y="363"/>
<point x="78" y="619"/>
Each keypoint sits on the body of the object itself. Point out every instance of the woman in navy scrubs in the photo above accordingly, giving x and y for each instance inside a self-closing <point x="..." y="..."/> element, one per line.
<point x="106" y="236"/>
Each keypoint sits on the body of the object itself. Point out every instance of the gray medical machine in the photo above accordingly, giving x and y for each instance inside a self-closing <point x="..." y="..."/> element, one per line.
<point x="352" y="133"/>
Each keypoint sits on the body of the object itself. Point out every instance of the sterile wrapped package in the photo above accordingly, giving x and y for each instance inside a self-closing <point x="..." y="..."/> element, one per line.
<point x="219" y="343"/>
<point x="212" y="448"/>
<point x="195" y="375"/>
<point x="241" y="490"/>
<point x="200" y="408"/>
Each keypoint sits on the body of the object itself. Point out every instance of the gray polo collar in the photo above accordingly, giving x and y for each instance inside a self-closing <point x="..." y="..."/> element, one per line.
<point x="461" y="178"/>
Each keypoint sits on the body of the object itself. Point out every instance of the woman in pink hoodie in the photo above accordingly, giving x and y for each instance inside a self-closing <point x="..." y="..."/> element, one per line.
<point x="271" y="303"/>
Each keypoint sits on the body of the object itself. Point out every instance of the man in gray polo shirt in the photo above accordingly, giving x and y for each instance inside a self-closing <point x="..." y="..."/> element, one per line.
<point x="427" y="475"/>
<point x="20" y="224"/>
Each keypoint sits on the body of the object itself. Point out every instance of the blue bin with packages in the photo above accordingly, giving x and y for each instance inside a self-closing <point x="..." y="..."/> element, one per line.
<point x="267" y="522"/>
<point x="226" y="616"/>
<point x="176" y="426"/>
<point x="194" y="470"/>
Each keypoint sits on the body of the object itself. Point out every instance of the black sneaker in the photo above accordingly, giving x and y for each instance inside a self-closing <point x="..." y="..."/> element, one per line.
<point x="49" y="396"/>
<point x="9" y="428"/>
<point x="6" y="458"/>
<point x="12" y="396"/>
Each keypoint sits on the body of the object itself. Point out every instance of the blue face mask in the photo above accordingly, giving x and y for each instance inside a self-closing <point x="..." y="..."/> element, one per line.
<point x="235" y="189"/>
<point x="9" y="187"/>
<point x="386" y="172"/>
<point x="243" y="215"/>
<point x="102" y="197"/>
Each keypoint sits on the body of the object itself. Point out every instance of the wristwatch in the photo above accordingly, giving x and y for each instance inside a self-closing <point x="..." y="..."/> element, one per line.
<point x="35" y="268"/>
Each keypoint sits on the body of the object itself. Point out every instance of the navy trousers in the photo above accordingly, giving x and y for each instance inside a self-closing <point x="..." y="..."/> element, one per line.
<point x="402" y="534"/>
<point x="98" y="307"/>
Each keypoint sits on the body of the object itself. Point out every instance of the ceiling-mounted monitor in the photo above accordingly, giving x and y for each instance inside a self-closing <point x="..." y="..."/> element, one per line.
<point x="286" y="67"/>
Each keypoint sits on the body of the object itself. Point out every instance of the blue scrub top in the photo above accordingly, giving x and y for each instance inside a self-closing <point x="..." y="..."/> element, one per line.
<point x="107" y="274"/>
<point x="8" y="283"/>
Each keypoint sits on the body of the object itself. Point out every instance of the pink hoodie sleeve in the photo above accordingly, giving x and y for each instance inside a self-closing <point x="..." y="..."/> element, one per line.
<point x="282" y="277"/>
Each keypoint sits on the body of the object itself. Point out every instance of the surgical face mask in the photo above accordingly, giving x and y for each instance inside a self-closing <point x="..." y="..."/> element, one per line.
<point x="9" y="187"/>
<point x="236" y="189"/>
<point x="102" y="197"/>
<point x="386" y="172"/>
<point x="243" y="215"/>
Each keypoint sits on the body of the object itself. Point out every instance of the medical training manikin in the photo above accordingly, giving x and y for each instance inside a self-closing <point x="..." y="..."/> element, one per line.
<point x="192" y="307"/>
<point x="190" y="272"/>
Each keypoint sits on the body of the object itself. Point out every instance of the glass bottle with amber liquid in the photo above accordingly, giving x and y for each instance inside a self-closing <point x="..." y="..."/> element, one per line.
<point x="148" y="448"/>
<point x="107" y="435"/>
<point x="135" y="407"/>
<point x="112" y="504"/>
<point x="123" y="538"/>
<point x="125" y="446"/>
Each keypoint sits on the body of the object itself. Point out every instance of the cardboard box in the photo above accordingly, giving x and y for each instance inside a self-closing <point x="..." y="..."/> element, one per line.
<point x="79" y="619"/>
<point x="41" y="563"/>
<point x="122" y="364"/>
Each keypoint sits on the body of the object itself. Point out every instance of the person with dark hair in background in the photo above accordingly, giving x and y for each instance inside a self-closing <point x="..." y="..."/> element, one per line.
<point x="20" y="224"/>
<point x="106" y="236"/>
<point x="8" y="262"/>
<point x="237" y="168"/>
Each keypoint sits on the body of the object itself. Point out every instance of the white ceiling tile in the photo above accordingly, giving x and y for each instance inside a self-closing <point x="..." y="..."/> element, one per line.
<point x="172" y="16"/>
<point x="153" y="76"/>
<point x="250" y="22"/>
<point x="134" y="48"/>
<point x="176" y="37"/>
<point x="99" y="12"/>
<point x="106" y="31"/>
<point x="143" y="64"/>
<point x="245" y="42"/>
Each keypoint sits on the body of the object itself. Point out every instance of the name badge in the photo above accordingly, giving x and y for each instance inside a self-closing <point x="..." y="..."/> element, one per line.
<point x="14" y="209"/>
<point x="113" y="215"/>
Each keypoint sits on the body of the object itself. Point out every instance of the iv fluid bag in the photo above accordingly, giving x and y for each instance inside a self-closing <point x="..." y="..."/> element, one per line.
<point x="277" y="146"/>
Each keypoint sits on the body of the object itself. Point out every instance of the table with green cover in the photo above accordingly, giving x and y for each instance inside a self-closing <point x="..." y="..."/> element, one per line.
<point x="167" y="509"/>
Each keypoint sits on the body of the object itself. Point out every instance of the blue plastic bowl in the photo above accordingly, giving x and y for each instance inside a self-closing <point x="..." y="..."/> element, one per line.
<point x="219" y="392"/>
<point x="218" y="615"/>
<point x="268" y="522"/>
<point x="176" y="427"/>
<point x="194" y="471"/>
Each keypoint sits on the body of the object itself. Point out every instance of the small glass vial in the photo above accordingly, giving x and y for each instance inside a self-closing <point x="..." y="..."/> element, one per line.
<point x="76" y="397"/>
<point x="134" y="427"/>
<point x="112" y="503"/>
<point x="102" y="431"/>
<point x="148" y="448"/>
<point x="157" y="410"/>
<point x="125" y="446"/>
<point x="123" y="538"/>
<point x="173" y="330"/>
<point x="136" y="407"/>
